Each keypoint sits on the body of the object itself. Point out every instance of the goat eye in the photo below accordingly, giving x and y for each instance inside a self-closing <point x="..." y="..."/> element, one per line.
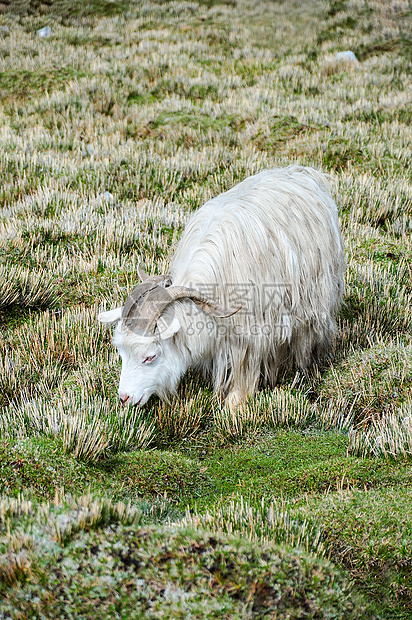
<point x="149" y="359"/>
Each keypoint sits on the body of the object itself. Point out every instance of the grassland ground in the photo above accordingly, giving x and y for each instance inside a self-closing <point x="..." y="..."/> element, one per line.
<point x="113" y="130"/>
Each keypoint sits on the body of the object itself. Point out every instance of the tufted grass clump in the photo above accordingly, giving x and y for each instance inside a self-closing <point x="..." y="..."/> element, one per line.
<point x="378" y="300"/>
<point x="289" y="409"/>
<point x="70" y="338"/>
<point x="20" y="381"/>
<point x="187" y="413"/>
<point x="268" y="522"/>
<point x="26" y="289"/>
<point x="236" y="424"/>
<point x="276" y="409"/>
<point x="389" y="436"/>
<point x="372" y="383"/>
<point x="87" y="427"/>
<point x="46" y="348"/>
<point x="68" y="10"/>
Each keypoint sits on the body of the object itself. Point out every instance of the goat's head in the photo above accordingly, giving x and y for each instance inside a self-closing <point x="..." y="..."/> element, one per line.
<point x="145" y="336"/>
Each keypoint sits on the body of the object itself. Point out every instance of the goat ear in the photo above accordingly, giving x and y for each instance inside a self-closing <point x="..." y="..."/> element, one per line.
<point x="167" y="331"/>
<point x="111" y="316"/>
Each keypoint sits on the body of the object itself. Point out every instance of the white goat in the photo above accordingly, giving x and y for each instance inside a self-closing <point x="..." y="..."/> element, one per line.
<point x="272" y="244"/>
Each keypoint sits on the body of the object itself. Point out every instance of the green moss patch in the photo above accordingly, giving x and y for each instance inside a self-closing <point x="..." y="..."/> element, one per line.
<point x="370" y="533"/>
<point x="155" y="474"/>
<point x="22" y="83"/>
<point x="39" y="467"/>
<point x="95" y="558"/>
<point x="280" y="130"/>
<point x="288" y="464"/>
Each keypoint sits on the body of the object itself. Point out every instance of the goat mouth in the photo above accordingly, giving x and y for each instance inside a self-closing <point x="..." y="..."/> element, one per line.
<point x="143" y="399"/>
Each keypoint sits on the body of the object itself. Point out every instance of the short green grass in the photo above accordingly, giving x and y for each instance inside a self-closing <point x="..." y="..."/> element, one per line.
<point x="112" y="131"/>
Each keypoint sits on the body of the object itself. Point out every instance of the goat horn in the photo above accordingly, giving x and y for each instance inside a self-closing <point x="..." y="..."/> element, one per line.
<point x="135" y="299"/>
<point x="141" y="273"/>
<point x="207" y="305"/>
<point x="142" y="312"/>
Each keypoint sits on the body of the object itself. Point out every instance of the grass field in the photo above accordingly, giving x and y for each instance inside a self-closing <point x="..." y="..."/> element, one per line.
<point x="113" y="130"/>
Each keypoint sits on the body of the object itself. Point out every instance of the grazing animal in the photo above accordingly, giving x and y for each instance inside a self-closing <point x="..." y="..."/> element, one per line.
<point x="254" y="287"/>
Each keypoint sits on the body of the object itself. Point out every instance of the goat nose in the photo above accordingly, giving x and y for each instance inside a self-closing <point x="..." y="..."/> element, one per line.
<point x="123" y="398"/>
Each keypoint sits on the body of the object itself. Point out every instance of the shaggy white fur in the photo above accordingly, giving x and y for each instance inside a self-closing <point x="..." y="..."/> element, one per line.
<point x="272" y="243"/>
